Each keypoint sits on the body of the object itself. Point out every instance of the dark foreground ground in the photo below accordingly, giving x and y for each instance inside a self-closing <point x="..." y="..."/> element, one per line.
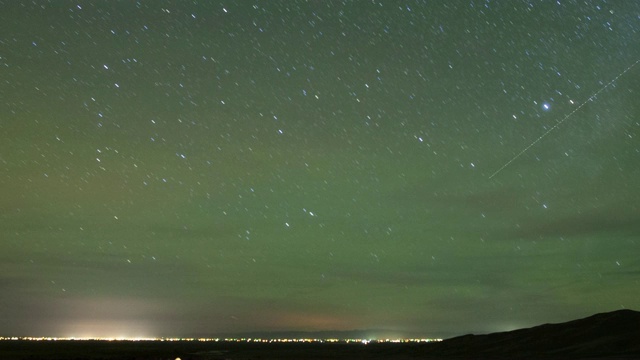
<point x="154" y="350"/>
<point x="612" y="336"/>
<point x="188" y="350"/>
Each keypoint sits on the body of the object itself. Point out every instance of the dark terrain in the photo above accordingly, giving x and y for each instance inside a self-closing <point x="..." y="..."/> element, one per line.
<point x="613" y="335"/>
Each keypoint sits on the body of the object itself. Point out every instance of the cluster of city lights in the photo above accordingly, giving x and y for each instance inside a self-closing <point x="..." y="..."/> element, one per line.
<point x="247" y="340"/>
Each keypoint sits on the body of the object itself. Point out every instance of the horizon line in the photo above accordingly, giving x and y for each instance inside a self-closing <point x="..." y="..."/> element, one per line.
<point x="219" y="339"/>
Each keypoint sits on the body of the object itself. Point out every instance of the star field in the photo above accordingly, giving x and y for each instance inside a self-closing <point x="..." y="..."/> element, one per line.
<point x="201" y="168"/>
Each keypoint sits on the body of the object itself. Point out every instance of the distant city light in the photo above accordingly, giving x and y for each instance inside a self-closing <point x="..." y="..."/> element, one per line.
<point x="247" y="340"/>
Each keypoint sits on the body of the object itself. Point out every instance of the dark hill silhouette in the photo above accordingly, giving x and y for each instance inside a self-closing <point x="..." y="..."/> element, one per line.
<point x="612" y="335"/>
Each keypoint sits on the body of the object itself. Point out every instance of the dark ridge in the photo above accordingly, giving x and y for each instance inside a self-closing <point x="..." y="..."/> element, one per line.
<point x="612" y="335"/>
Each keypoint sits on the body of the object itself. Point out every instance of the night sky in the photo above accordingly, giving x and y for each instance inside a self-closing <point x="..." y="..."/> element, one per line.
<point x="198" y="168"/>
